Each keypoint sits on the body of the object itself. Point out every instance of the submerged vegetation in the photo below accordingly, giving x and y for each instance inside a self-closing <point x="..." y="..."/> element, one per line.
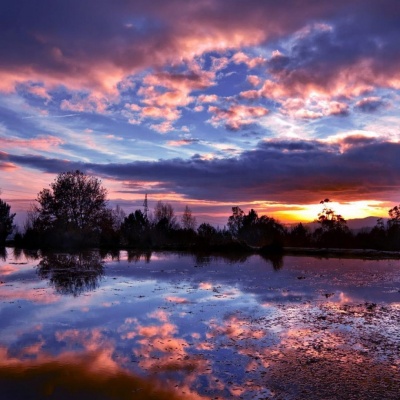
<point x="74" y="213"/>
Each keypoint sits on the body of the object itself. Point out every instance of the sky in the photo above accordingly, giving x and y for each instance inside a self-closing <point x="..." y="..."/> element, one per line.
<point x="264" y="104"/>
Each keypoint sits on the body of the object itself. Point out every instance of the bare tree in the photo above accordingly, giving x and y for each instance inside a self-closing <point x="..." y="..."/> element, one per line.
<point x="118" y="215"/>
<point x="188" y="220"/>
<point x="164" y="216"/>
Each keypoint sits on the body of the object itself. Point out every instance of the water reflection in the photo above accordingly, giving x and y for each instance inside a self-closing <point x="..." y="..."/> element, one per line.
<point x="184" y="326"/>
<point x="203" y="259"/>
<point x="79" y="380"/>
<point x="3" y="253"/>
<point x="275" y="259"/>
<point x="136" y="256"/>
<point x="72" y="273"/>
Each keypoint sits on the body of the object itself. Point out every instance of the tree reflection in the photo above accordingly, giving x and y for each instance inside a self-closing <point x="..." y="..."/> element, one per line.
<point x="203" y="259"/>
<point x="136" y="256"/>
<point x="72" y="273"/>
<point x="275" y="259"/>
<point x="3" y="253"/>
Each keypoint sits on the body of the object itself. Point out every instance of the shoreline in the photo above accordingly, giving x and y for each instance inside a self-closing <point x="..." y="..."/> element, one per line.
<point x="338" y="252"/>
<point x="240" y="249"/>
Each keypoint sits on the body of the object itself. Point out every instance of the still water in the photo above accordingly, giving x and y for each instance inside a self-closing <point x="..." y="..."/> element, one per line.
<point x="181" y="326"/>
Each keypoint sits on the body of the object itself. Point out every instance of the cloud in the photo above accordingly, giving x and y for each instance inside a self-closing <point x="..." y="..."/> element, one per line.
<point x="85" y="103"/>
<point x="128" y="37"/>
<point x="370" y="104"/>
<point x="207" y="98"/>
<point x="163" y="95"/>
<point x="349" y="57"/>
<point x="254" y="62"/>
<point x="254" y="80"/>
<point x="163" y="127"/>
<point x="43" y="142"/>
<point x="182" y="142"/>
<point x="236" y="116"/>
<point x="167" y="51"/>
<point x="7" y="166"/>
<point x="293" y="172"/>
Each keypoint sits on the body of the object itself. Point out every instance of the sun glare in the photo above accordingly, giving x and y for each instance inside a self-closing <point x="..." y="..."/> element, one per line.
<point x="349" y="210"/>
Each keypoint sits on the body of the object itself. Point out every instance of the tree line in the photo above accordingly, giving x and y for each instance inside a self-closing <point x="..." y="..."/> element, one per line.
<point x="74" y="212"/>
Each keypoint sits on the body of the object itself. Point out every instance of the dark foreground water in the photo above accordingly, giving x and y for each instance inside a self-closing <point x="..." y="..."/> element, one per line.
<point x="177" y="326"/>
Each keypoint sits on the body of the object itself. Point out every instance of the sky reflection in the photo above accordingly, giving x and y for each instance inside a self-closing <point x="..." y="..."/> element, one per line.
<point x="182" y="326"/>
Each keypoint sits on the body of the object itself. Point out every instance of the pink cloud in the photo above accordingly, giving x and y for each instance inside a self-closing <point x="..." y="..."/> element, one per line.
<point x="254" y="62"/>
<point x="42" y="296"/>
<point x="313" y="108"/>
<point x="178" y="300"/>
<point x="163" y="127"/>
<point x="103" y="61"/>
<point x="7" y="166"/>
<point x="161" y="315"/>
<point x="7" y="269"/>
<point x="39" y="91"/>
<point x="181" y="142"/>
<point x="44" y="143"/>
<point x="205" y="285"/>
<point x="160" y="113"/>
<point x="86" y="103"/>
<point x="164" y="94"/>
<point x="207" y="98"/>
<point x="236" y="116"/>
<point x="234" y="328"/>
<point x="254" y="80"/>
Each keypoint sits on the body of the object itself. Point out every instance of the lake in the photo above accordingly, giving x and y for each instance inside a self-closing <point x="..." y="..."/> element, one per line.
<point x="181" y="326"/>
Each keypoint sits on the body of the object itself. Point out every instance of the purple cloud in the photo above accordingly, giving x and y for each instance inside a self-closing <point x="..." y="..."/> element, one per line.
<point x="288" y="172"/>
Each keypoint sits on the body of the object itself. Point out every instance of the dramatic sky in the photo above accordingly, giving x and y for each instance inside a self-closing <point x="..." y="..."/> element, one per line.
<point x="265" y="104"/>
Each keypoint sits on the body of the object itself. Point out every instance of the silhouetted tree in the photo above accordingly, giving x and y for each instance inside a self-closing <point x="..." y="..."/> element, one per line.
<point x="72" y="212"/>
<point x="300" y="236"/>
<point x="333" y="230"/>
<point x="375" y="238"/>
<point x="235" y="221"/>
<point x="118" y="217"/>
<point x="206" y="230"/>
<point x="393" y="229"/>
<point x="188" y="221"/>
<point x="75" y="200"/>
<point x="206" y="233"/>
<point x="6" y="221"/>
<point x="164" y="217"/>
<point x="394" y="214"/>
<point x="134" y="229"/>
<point x="328" y="219"/>
<point x="255" y="230"/>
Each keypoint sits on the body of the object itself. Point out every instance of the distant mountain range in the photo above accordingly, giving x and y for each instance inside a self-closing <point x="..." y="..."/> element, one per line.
<point x="368" y="222"/>
<point x="355" y="224"/>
